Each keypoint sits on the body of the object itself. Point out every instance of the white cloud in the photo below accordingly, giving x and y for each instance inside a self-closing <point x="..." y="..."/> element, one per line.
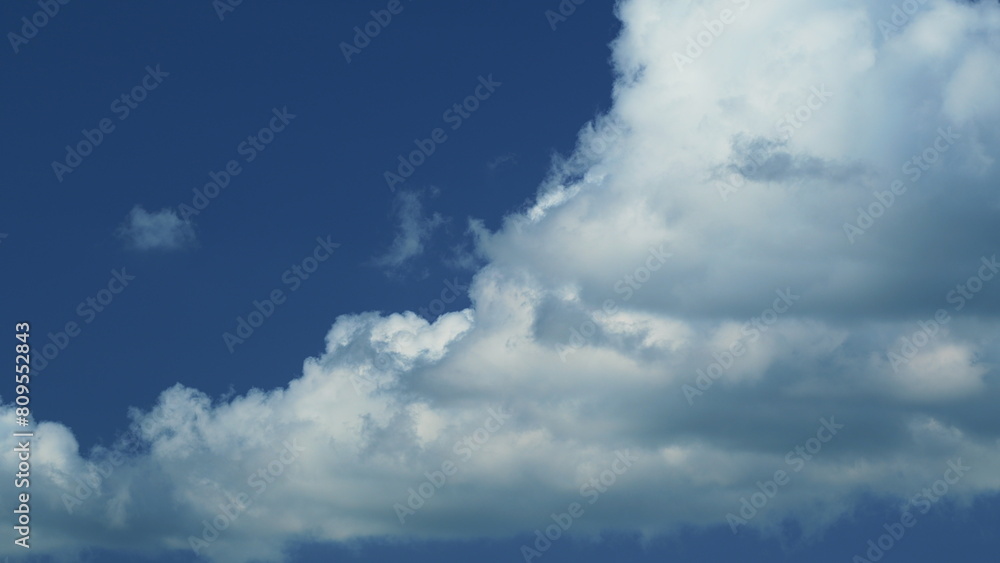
<point x="415" y="230"/>
<point x="162" y="230"/>
<point x="390" y="397"/>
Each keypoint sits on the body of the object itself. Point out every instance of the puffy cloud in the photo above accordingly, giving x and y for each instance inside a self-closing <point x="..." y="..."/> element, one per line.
<point x="162" y="230"/>
<point x="694" y="241"/>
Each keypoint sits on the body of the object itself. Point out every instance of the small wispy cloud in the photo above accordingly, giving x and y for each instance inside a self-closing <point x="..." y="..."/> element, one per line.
<point x="509" y="158"/>
<point x="162" y="230"/>
<point x="414" y="231"/>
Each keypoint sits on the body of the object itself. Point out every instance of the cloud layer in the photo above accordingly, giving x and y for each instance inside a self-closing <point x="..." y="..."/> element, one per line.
<point x="687" y="288"/>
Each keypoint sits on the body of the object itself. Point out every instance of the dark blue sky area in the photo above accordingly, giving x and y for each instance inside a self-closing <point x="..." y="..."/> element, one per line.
<point x="322" y="175"/>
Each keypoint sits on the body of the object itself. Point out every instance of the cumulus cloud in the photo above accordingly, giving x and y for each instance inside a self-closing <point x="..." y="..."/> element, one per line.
<point x="162" y="230"/>
<point x="414" y="232"/>
<point x="685" y="288"/>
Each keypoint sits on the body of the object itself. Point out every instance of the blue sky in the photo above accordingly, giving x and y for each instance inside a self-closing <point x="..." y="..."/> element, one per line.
<point x="322" y="176"/>
<point x="706" y="251"/>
